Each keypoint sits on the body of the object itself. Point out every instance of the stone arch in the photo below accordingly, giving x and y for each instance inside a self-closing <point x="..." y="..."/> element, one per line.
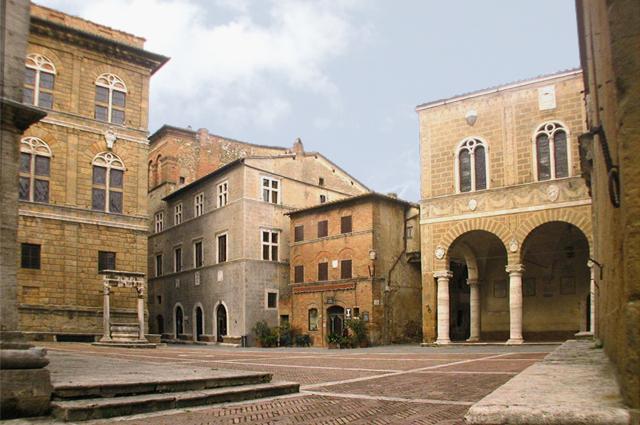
<point x="215" y="317"/>
<point x="346" y="254"/>
<point x="194" y="321"/>
<point x="174" y="321"/>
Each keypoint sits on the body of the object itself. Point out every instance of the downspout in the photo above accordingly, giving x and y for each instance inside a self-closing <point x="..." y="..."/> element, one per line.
<point x="387" y="286"/>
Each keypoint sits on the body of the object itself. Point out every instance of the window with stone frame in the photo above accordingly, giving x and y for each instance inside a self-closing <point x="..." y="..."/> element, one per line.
<point x="471" y="164"/>
<point x="323" y="199"/>
<point x="29" y="256"/>
<point x="198" y="254"/>
<point x="34" y="171"/>
<point x="298" y="233"/>
<point x="270" y="243"/>
<point x="323" y="271"/>
<point x="271" y="190"/>
<point x="223" y="194"/>
<point x="323" y="228"/>
<point x="177" y="259"/>
<point x="313" y="319"/>
<point x="551" y="151"/>
<point x="107" y="183"/>
<point x="198" y="205"/>
<point x="159" y="221"/>
<point x="272" y="300"/>
<point x="39" y="80"/>
<point x="345" y="269"/>
<point x="346" y="224"/>
<point x="158" y="265"/>
<point x="298" y="274"/>
<point x="177" y="214"/>
<point x="110" y="100"/>
<point x="106" y="261"/>
<point x="222" y="247"/>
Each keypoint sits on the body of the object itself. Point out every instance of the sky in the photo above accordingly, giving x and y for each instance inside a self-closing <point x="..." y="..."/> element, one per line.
<point x="343" y="75"/>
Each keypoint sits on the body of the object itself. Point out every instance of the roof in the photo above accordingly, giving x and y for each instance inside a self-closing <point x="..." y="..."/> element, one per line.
<point x="352" y="199"/>
<point x="499" y="88"/>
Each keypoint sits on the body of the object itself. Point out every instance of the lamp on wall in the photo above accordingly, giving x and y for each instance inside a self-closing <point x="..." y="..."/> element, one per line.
<point x="613" y="173"/>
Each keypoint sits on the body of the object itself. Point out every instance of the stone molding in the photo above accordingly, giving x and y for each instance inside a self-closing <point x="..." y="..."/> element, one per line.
<point x="443" y="274"/>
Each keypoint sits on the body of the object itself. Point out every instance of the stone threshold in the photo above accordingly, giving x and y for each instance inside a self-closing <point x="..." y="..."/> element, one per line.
<point x="575" y="384"/>
<point x="488" y="343"/>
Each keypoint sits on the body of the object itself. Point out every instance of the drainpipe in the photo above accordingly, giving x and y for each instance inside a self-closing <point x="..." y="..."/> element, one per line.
<point x="387" y="285"/>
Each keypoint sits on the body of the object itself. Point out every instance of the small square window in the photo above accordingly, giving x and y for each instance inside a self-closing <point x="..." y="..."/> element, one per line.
<point x="272" y="300"/>
<point x="321" y="181"/>
<point x="323" y="199"/>
<point x="30" y="256"/>
<point x="106" y="260"/>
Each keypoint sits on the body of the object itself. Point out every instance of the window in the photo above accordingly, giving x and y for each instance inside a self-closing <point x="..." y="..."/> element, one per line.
<point x="111" y="93"/>
<point x="222" y="248"/>
<point x="313" y="319"/>
<point x="39" y="78"/>
<point x="270" y="245"/>
<point x="106" y="260"/>
<point x="108" y="176"/>
<point x="270" y="190"/>
<point x="551" y="153"/>
<point x="471" y="165"/>
<point x="159" y="265"/>
<point x="35" y="170"/>
<point x="29" y="256"/>
<point x="223" y="190"/>
<point x="181" y="180"/>
<point x="356" y="312"/>
<point x="323" y="271"/>
<point x="159" y="221"/>
<point x="320" y="181"/>
<point x="198" y="205"/>
<point x="197" y="254"/>
<point x="345" y="269"/>
<point x="298" y="274"/>
<point x="409" y="232"/>
<point x="298" y="233"/>
<point x="272" y="300"/>
<point x="323" y="228"/>
<point x="323" y="199"/>
<point x="345" y="224"/>
<point x="177" y="260"/>
<point x="177" y="214"/>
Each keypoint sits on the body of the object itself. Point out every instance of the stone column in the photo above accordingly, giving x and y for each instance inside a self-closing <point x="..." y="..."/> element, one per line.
<point x="515" y="303"/>
<point x="141" y="312"/>
<point x="474" y="310"/>
<point x="592" y="297"/>
<point x="443" y="306"/>
<point x="106" y="313"/>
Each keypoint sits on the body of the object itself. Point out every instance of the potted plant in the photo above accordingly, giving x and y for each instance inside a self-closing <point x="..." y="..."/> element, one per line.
<point x="358" y="330"/>
<point x="333" y="340"/>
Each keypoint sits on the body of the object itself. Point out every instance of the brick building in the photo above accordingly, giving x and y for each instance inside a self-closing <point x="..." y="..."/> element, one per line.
<point x="610" y="56"/>
<point x="218" y="257"/>
<point x="356" y="257"/>
<point x="505" y="217"/>
<point x="82" y="172"/>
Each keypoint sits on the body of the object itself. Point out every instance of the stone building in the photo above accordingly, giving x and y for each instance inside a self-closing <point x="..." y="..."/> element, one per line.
<point x="82" y="173"/>
<point x="610" y="56"/>
<point x="218" y="257"/>
<point x="355" y="257"/>
<point x="505" y="217"/>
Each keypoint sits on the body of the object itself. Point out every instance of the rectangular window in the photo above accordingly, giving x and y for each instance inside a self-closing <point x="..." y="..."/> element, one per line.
<point x="345" y="269"/>
<point x="159" y="265"/>
<point x="270" y="245"/>
<point x="272" y="300"/>
<point x="356" y="312"/>
<point x="313" y="319"/>
<point x="320" y="181"/>
<point x="223" y="194"/>
<point x="409" y="232"/>
<point x="29" y="256"/>
<point x="198" y="205"/>
<point x="298" y="274"/>
<point x="323" y="228"/>
<point x="345" y="224"/>
<point x="106" y="260"/>
<point x="197" y="254"/>
<point x="323" y="199"/>
<point x="222" y="248"/>
<point x="270" y="190"/>
<point x="177" y="216"/>
<point x="177" y="260"/>
<point x="298" y="233"/>
<point x="323" y="271"/>
<point x="159" y="218"/>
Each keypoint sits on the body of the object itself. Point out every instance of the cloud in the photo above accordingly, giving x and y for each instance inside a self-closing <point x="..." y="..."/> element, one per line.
<point x="239" y="72"/>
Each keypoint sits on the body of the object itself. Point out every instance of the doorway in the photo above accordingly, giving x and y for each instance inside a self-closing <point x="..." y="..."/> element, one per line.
<point x="221" y="322"/>
<point x="199" y="323"/>
<point x="335" y="317"/>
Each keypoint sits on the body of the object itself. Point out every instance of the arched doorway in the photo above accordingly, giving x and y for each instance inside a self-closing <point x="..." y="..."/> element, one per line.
<point x="160" y="323"/>
<point x="335" y="320"/>
<point x="555" y="282"/>
<point x="199" y="324"/>
<point x="221" y="322"/>
<point x="178" y="322"/>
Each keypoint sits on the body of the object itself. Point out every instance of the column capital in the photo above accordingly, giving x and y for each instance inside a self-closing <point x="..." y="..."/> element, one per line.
<point x="443" y="274"/>
<point x="515" y="268"/>
<point x="472" y="282"/>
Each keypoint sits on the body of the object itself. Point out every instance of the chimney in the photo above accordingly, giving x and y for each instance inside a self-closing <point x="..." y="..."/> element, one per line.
<point x="392" y="195"/>
<point x="298" y="147"/>
<point x="202" y="135"/>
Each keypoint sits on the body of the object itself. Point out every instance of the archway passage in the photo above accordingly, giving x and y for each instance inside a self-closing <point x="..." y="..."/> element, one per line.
<point x="555" y="284"/>
<point x="178" y="322"/>
<point x="160" y="323"/>
<point x="335" y="320"/>
<point x="459" y="298"/>
<point x="221" y="322"/>
<point x="199" y="324"/>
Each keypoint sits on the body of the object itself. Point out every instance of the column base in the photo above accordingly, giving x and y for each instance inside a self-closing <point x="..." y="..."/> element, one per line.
<point x="473" y="339"/>
<point x="515" y="341"/>
<point x="443" y="341"/>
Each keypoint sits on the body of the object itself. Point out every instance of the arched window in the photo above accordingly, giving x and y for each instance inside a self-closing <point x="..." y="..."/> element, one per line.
<point x="35" y="170"/>
<point x="551" y="151"/>
<point x="107" y="187"/>
<point x="39" y="77"/>
<point x="111" y="93"/>
<point x="313" y="319"/>
<point x="471" y="165"/>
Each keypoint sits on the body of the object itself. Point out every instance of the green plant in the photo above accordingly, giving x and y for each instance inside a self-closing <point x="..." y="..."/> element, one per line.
<point x="303" y="340"/>
<point x="358" y="332"/>
<point x="267" y="336"/>
<point x="285" y="335"/>
<point x="333" y="338"/>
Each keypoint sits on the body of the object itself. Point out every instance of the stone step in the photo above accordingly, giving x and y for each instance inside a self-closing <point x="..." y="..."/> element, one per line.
<point x="98" y="408"/>
<point x="92" y="390"/>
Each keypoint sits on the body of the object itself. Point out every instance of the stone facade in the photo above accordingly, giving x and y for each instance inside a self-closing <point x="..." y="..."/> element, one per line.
<point x="221" y="297"/>
<point x="372" y="269"/>
<point x="610" y="56"/>
<point x="505" y="219"/>
<point x="73" y="62"/>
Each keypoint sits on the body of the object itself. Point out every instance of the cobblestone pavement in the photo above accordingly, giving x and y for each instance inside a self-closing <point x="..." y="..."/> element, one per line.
<point x="380" y="385"/>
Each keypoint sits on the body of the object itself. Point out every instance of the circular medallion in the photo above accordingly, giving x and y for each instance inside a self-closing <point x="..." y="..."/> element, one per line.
<point x="513" y="245"/>
<point x="473" y="204"/>
<point x="553" y="193"/>
<point x="440" y="253"/>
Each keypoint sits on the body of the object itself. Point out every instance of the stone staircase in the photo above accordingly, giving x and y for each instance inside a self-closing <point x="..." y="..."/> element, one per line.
<point x="95" y="400"/>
